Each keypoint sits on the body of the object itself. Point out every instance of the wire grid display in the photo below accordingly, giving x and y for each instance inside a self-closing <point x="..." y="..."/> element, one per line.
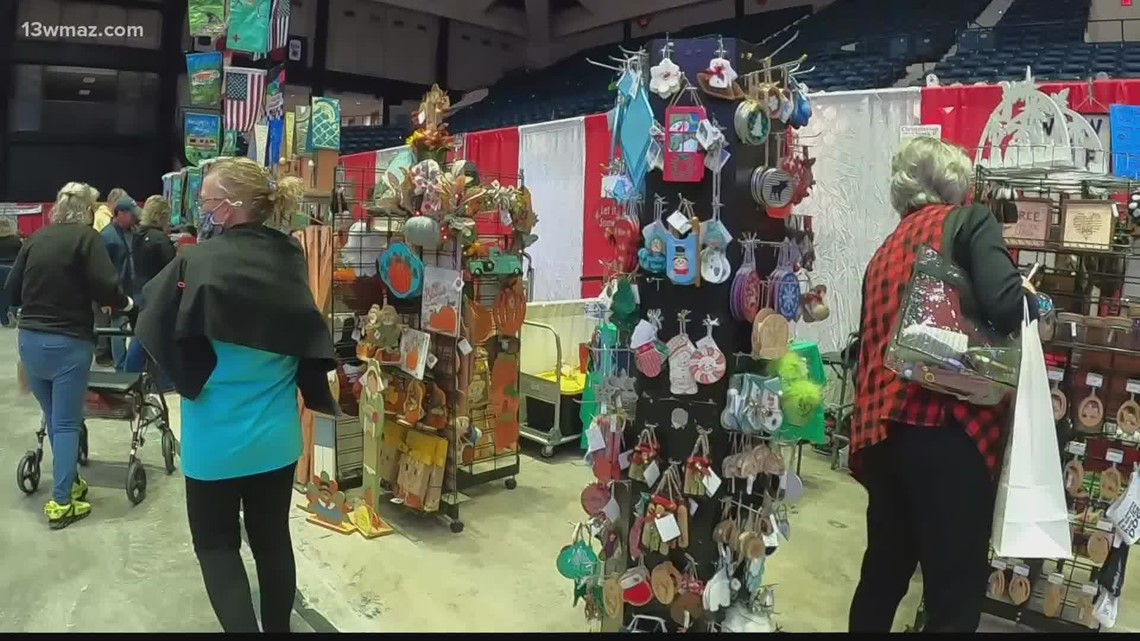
<point x="468" y="463"/>
<point x="1092" y="359"/>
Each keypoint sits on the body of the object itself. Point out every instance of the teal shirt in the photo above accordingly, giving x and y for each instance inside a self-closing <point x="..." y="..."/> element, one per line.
<point x="246" y="420"/>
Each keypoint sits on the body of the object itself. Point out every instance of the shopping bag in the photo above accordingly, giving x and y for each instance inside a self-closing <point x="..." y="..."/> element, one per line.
<point x="1030" y="518"/>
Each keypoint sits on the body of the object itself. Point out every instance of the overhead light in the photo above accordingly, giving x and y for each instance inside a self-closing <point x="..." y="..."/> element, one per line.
<point x="89" y="80"/>
<point x="85" y="92"/>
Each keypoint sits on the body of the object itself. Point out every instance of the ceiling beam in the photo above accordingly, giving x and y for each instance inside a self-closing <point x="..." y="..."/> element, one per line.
<point x="538" y="20"/>
<point x="474" y="12"/>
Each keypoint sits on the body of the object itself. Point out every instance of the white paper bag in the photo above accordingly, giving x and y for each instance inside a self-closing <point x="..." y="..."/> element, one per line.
<point x="1030" y="518"/>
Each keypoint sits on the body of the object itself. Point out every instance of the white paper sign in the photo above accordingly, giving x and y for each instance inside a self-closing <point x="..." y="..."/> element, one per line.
<point x="1057" y="578"/>
<point x="1094" y="380"/>
<point x="652" y="473"/>
<point x="1089" y="589"/>
<point x="1056" y="375"/>
<point x="1077" y="447"/>
<point x="906" y="132"/>
<point x="1114" y="456"/>
<point x="1125" y="513"/>
<point x="692" y="508"/>
<point x="667" y="527"/>
<point x="1104" y="526"/>
<point x="464" y="347"/>
<point x="594" y="439"/>
<point x="998" y="564"/>
<point x="679" y="222"/>
<point x="712" y="483"/>
<point x="1133" y="386"/>
<point x="612" y="510"/>
<point x="1022" y="570"/>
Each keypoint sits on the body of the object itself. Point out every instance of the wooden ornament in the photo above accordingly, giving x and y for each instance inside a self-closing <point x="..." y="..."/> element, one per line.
<point x="1085" y="610"/>
<point x="683" y="525"/>
<point x="1090" y="413"/>
<point x="664" y="583"/>
<point x="1060" y="404"/>
<point x="1111" y="483"/>
<point x="611" y="596"/>
<point x="480" y="323"/>
<point x="1054" y="601"/>
<point x="1128" y="416"/>
<point x="996" y="584"/>
<point x="1019" y="589"/>
<point x="1098" y="546"/>
<point x="1075" y="479"/>
<point x="725" y="531"/>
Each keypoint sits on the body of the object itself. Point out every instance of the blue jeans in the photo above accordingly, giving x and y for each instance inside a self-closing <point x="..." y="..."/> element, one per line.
<point x="119" y="345"/>
<point x="57" y="369"/>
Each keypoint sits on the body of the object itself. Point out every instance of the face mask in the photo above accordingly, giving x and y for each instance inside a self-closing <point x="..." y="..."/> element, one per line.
<point x="210" y="226"/>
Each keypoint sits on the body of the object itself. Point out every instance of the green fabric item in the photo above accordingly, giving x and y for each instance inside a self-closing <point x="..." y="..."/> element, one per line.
<point x="596" y="373"/>
<point x="814" y="431"/>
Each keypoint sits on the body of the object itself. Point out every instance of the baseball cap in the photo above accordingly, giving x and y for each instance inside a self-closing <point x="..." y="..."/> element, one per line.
<point x="126" y="204"/>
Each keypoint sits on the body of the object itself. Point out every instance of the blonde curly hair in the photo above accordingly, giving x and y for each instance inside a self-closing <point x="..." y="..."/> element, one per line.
<point x="928" y="171"/>
<point x="75" y="203"/>
<point x="156" y="212"/>
<point x="268" y="199"/>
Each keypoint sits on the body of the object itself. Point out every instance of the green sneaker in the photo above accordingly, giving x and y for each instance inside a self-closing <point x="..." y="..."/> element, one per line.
<point x="79" y="490"/>
<point x="61" y="516"/>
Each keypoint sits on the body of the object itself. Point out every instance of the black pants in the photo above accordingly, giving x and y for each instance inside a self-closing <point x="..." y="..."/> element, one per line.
<point x="213" y="508"/>
<point x="930" y="503"/>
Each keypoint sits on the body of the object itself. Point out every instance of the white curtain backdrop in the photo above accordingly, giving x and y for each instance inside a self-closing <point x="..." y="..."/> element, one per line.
<point x="552" y="157"/>
<point x="853" y="135"/>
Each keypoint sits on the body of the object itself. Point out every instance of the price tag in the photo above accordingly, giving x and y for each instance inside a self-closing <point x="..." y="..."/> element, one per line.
<point x="431" y="360"/>
<point x="356" y="335"/>
<point x="652" y="473"/>
<point x="1104" y="526"/>
<point x="1077" y="447"/>
<point x="1057" y="578"/>
<point x="692" y="508"/>
<point x="749" y="484"/>
<point x="1094" y="380"/>
<point x="1056" y="375"/>
<point x="1021" y="570"/>
<point x="612" y="510"/>
<point x="1114" y="456"/>
<point x="998" y="564"/>
<point x="1133" y="386"/>
<point x="1090" y="589"/>
<point x="679" y="222"/>
<point x="623" y="459"/>
<point x="464" y="347"/>
<point x="667" y="527"/>
<point x="712" y="483"/>
<point x="772" y="539"/>
<point x="594" y="439"/>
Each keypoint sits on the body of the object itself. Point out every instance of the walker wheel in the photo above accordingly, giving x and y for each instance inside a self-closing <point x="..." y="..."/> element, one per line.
<point x="136" y="482"/>
<point x="83" y="451"/>
<point x="548" y="451"/>
<point x="28" y="473"/>
<point x="457" y="526"/>
<point x="168" y="451"/>
<point x="511" y="484"/>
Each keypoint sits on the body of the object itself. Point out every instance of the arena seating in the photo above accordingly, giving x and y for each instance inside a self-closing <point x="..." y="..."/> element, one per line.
<point x="1047" y="36"/>
<point x="861" y="44"/>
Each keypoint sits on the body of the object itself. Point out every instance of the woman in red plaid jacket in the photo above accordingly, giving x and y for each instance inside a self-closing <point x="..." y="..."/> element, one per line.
<point x="929" y="462"/>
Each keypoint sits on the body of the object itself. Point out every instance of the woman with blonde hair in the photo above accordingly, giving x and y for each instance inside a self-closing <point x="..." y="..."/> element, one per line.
<point x="56" y="275"/>
<point x="233" y="322"/>
<point x="928" y="460"/>
<point x="152" y="251"/>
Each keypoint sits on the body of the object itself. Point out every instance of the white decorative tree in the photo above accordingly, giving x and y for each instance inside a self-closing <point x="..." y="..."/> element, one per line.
<point x="1027" y="129"/>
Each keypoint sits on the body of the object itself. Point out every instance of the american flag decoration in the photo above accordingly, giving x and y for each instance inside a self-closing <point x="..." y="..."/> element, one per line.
<point x="245" y="90"/>
<point x="278" y="28"/>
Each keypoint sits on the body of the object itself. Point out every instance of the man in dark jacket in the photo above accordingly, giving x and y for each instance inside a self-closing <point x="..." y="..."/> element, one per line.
<point x="119" y="238"/>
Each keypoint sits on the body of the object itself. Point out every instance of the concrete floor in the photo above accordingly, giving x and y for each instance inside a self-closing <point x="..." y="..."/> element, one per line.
<point x="132" y="569"/>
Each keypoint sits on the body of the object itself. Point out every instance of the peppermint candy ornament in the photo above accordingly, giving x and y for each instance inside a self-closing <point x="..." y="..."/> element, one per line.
<point x="707" y="363"/>
<point x="681" y="348"/>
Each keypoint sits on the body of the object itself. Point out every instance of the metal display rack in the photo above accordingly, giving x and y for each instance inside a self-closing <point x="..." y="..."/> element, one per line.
<point x="468" y="463"/>
<point x="1084" y="360"/>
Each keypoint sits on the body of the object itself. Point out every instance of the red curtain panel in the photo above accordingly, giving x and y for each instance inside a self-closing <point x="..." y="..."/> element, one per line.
<point x="496" y="157"/>
<point x="360" y="171"/>
<point x="595" y="248"/>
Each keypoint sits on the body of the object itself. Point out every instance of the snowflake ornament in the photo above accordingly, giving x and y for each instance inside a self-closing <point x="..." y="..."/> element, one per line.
<point x="665" y="78"/>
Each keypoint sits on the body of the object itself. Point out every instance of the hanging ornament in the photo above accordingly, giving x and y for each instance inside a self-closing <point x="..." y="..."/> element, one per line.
<point x="666" y="78"/>
<point x="402" y="271"/>
<point x="681" y="252"/>
<point x="719" y="80"/>
<point x="684" y="158"/>
<point x="707" y="363"/>
<point x="681" y="348"/>
<point x="649" y="350"/>
<point x="651" y="257"/>
<point x="715" y="239"/>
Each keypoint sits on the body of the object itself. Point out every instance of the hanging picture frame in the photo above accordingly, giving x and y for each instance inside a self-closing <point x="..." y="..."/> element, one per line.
<point x="683" y="154"/>
<point x="414" y="348"/>
<point x="1088" y="224"/>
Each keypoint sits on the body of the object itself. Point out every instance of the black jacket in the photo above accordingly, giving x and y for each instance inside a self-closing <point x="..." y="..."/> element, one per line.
<point x="247" y="287"/>
<point x="57" y="274"/>
<point x="152" y="252"/>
